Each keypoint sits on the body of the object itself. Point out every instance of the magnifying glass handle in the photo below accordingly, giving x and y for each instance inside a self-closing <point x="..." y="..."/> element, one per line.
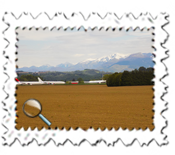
<point x="45" y="119"/>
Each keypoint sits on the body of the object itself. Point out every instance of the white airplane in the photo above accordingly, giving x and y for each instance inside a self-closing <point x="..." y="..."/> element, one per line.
<point x="29" y="82"/>
<point x="51" y="82"/>
<point x="98" y="81"/>
<point x="38" y="82"/>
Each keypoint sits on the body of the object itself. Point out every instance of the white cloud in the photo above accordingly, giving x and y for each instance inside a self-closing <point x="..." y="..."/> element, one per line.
<point x="90" y="54"/>
<point x="55" y="47"/>
<point x="78" y="55"/>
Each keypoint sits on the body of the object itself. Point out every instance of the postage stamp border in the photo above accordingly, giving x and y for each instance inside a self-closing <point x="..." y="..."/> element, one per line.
<point x="94" y="20"/>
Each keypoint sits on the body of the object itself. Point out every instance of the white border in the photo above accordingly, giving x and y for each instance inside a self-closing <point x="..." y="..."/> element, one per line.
<point x="127" y="137"/>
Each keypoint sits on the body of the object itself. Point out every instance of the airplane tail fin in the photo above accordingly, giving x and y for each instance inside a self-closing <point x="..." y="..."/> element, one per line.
<point x="16" y="79"/>
<point x="39" y="80"/>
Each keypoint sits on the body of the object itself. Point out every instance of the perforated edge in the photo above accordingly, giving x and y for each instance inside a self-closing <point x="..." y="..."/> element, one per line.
<point x="77" y="21"/>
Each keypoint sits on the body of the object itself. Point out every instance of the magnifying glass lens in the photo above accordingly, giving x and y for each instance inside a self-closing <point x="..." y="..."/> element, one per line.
<point x="32" y="108"/>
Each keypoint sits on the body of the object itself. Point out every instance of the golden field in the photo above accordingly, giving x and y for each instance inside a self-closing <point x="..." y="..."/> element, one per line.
<point x="85" y="106"/>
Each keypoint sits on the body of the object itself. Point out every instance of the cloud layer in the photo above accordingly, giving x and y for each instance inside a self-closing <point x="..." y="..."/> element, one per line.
<point x="58" y="46"/>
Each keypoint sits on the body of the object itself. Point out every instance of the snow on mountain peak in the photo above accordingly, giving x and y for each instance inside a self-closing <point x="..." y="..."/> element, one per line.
<point x="112" y="56"/>
<point x="105" y="58"/>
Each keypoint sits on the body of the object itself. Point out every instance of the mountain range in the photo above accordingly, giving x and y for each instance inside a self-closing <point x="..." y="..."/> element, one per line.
<point x="111" y="63"/>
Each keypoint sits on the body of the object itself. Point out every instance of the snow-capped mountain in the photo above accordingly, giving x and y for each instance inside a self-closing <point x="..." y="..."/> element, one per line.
<point x="105" y="58"/>
<point x="113" y="56"/>
<point x="113" y="63"/>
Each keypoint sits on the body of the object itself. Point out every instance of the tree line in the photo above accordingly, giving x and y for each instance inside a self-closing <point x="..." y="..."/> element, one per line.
<point x="29" y="77"/>
<point x="142" y="76"/>
<point x="86" y="75"/>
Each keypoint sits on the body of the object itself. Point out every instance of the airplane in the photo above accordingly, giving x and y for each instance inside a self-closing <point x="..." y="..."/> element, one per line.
<point x="51" y="82"/>
<point x="29" y="82"/>
<point x="98" y="81"/>
<point x="39" y="82"/>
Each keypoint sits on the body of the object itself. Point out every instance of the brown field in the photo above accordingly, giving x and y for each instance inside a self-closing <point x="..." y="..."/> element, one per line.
<point x="86" y="106"/>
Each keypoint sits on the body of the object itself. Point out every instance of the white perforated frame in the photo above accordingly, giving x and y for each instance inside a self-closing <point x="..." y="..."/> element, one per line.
<point x="77" y="136"/>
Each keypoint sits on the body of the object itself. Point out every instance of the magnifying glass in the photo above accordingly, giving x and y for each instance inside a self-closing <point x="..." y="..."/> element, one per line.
<point x="32" y="108"/>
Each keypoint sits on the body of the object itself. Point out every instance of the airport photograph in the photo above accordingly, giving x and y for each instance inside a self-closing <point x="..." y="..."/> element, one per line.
<point x="84" y="78"/>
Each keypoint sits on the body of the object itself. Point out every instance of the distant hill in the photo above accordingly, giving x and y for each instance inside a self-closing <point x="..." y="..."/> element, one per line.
<point x="112" y="63"/>
<point x="86" y="75"/>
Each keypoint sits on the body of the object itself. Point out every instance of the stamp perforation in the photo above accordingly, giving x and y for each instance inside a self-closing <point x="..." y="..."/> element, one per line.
<point x="64" y="26"/>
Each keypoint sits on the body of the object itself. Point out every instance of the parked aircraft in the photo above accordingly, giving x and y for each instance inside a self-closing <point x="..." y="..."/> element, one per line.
<point x="98" y="81"/>
<point x="51" y="82"/>
<point x="38" y="82"/>
<point x="29" y="82"/>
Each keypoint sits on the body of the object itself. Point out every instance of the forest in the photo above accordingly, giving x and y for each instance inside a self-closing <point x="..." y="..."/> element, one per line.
<point x="142" y="76"/>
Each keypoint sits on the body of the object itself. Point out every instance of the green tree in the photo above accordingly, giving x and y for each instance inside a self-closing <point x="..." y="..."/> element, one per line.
<point x="118" y="79"/>
<point x="126" y="79"/>
<point x="80" y="80"/>
<point x="68" y="82"/>
<point x="29" y="77"/>
<point x="133" y="78"/>
<point x="142" y="69"/>
<point x="150" y="69"/>
<point x="106" y="76"/>
<point x="109" y="82"/>
<point x="114" y="79"/>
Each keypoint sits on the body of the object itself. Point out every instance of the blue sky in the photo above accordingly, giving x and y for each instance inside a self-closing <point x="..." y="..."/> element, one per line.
<point x="37" y="48"/>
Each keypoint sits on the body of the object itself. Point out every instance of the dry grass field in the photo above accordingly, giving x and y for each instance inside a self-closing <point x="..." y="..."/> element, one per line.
<point x="86" y="106"/>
